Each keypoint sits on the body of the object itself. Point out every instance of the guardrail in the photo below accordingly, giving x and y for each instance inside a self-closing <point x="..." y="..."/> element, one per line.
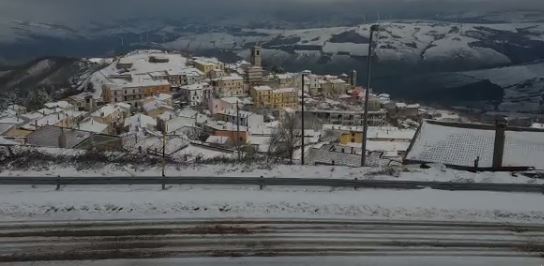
<point x="270" y="181"/>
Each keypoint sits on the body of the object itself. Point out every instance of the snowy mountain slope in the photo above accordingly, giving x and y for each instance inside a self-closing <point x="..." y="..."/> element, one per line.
<point x="511" y="75"/>
<point x="57" y="75"/>
<point x="38" y="72"/>
<point x="518" y="88"/>
<point x="409" y="42"/>
<point x="523" y="86"/>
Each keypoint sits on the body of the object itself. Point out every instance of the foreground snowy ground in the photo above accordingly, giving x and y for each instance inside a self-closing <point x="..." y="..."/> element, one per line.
<point x="150" y="202"/>
<point x="435" y="173"/>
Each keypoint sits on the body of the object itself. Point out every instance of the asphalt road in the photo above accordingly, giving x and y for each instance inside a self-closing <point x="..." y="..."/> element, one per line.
<point x="259" y="181"/>
<point x="98" y="240"/>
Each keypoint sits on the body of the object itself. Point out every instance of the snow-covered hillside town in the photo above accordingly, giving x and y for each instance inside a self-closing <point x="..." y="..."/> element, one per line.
<point x="190" y="109"/>
<point x="259" y="132"/>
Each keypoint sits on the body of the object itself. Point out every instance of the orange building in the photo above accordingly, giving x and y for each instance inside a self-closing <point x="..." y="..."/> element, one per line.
<point x="135" y="93"/>
<point x="233" y="136"/>
<point x="156" y="90"/>
<point x="228" y="130"/>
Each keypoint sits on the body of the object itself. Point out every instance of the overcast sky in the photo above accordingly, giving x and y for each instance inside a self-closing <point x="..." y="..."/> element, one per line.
<point x="84" y="11"/>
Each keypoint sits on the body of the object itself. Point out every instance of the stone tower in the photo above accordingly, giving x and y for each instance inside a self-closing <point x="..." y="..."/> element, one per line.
<point x="256" y="56"/>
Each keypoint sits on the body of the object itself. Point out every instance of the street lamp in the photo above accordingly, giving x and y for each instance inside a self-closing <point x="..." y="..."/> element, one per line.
<point x="373" y="29"/>
<point x="304" y="74"/>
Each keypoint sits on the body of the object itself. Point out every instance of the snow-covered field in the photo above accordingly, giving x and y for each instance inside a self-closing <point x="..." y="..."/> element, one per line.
<point x="146" y="202"/>
<point x="184" y="201"/>
<point x="413" y="173"/>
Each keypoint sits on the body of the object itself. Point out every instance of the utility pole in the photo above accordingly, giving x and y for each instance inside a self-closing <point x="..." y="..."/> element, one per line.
<point x="302" y="118"/>
<point x="304" y="73"/>
<point x="373" y="29"/>
<point x="163" y="152"/>
<point x="238" y="131"/>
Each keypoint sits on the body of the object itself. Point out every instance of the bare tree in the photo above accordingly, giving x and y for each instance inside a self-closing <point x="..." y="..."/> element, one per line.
<point x="37" y="98"/>
<point x="285" y="139"/>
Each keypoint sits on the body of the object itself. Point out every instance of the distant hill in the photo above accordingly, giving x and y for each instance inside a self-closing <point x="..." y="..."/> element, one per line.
<point x="453" y="60"/>
<point x="58" y="76"/>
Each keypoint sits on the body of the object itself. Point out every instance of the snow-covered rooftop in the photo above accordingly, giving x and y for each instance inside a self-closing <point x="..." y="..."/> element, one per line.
<point x="59" y="104"/>
<point x="105" y="110"/>
<point x="140" y="121"/>
<point x="523" y="149"/>
<point x="153" y="144"/>
<point x="283" y="90"/>
<point x="287" y="75"/>
<point x="141" y="68"/>
<point x="32" y="115"/>
<point x="196" y="86"/>
<point x="4" y="141"/>
<point x="377" y="132"/>
<point x="155" y="105"/>
<point x="10" y="120"/>
<point x="461" y="145"/>
<point x="452" y="145"/>
<point x="224" y="126"/>
<point x="222" y="140"/>
<point x="262" y="88"/>
<point x="92" y="125"/>
<point x="179" y="122"/>
<point x="194" y="150"/>
<point x="231" y="77"/>
<point x="5" y="127"/>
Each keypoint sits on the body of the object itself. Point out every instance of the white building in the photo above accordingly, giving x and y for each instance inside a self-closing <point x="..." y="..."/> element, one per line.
<point x="140" y="121"/>
<point x="196" y="94"/>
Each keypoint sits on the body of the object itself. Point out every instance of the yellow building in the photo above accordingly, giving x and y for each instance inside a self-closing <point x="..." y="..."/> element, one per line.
<point x="284" y="98"/>
<point x="261" y="96"/>
<point x="206" y="65"/>
<point x="266" y="97"/>
<point x="17" y="134"/>
<point x="351" y="137"/>
<point x="229" y="86"/>
<point x="334" y="87"/>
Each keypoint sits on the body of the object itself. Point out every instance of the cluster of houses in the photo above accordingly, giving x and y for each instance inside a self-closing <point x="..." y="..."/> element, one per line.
<point x="203" y="108"/>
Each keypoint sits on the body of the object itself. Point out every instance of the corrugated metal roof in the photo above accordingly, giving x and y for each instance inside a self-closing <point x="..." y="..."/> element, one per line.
<point x="459" y="145"/>
<point x="523" y="149"/>
<point x="451" y="145"/>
